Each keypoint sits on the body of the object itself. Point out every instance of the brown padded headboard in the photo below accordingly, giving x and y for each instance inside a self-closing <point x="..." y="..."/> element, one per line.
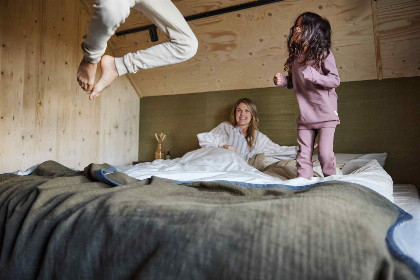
<point x="376" y="116"/>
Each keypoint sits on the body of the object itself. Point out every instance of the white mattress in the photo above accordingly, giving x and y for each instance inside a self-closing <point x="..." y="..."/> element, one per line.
<point x="407" y="234"/>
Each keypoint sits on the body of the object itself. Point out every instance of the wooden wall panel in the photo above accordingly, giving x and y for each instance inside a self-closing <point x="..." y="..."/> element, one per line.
<point x="244" y="49"/>
<point x="371" y="40"/>
<point x="399" y="37"/>
<point x="186" y="7"/>
<point x="43" y="113"/>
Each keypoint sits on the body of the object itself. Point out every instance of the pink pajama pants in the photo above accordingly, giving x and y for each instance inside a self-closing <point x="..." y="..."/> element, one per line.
<point x="306" y="140"/>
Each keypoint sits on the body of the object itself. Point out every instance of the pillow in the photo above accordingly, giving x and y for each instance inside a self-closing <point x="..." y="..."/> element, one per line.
<point x="260" y="161"/>
<point x="338" y="165"/>
<point x="361" y="161"/>
<point x="318" y="171"/>
<point x="286" y="169"/>
<point x="350" y="162"/>
<point x="345" y="163"/>
<point x="374" y="177"/>
<point x="340" y="158"/>
<point x="281" y="171"/>
<point x="380" y="157"/>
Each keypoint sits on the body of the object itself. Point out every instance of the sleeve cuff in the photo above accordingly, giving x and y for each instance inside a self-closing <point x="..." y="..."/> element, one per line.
<point x="283" y="81"/>
<point x="308" y="74"/>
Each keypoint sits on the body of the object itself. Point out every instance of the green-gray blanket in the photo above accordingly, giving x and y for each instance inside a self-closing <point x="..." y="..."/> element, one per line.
<point x="61" y="224"/>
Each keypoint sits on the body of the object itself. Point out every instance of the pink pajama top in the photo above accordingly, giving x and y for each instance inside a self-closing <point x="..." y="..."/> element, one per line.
<point x="315" y="92"/>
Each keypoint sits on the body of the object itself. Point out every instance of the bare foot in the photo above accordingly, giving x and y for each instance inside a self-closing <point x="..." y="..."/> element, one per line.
<point x="86" y="75"/>
<point x="108" y="75"/>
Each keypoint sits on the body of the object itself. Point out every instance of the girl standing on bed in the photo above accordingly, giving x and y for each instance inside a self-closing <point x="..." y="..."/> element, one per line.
<point x="241" y="134"/>
<point x="313" y="75"/>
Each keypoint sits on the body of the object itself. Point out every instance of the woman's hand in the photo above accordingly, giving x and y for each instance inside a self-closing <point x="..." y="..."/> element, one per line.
<point x="229" y="147"/>
<point x="278" y="79"/>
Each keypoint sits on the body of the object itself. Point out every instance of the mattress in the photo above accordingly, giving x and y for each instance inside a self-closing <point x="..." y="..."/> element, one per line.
<point x="407" y="234"/>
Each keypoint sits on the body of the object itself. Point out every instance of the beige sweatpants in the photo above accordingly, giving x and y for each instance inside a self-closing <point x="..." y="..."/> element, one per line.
<point x="109" y="14"/>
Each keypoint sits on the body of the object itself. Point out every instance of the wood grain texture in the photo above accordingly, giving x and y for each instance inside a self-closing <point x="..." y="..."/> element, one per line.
<point x="376" y="37"/>
<point x="376" y="116"/>
<point x="240" y="50"/>
<point x="399" y="36"/>
<point x="186" y="7"/>
<point x="44" y="115"/>
<point x="244" y="49"/>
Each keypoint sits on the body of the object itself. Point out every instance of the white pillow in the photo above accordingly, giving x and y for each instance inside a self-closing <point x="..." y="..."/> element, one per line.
<point x="350" y="162"/>
<point x="361" y="161"/>
<point x="341" y="158"/>
<point x="346" y="163"/>
<point x="318" y="171"/>
<point x="373" y="176"/>
<point x="380" y="157"/>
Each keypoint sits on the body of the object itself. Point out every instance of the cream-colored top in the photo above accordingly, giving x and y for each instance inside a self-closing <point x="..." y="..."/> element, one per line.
<point x="227" y="134"/>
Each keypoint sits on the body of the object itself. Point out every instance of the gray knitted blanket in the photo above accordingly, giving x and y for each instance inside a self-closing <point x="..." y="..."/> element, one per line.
<point x="60" y="224"/>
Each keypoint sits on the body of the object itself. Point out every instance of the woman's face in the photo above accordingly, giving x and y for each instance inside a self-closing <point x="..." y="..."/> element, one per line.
<point x="298" y="30"/>
<point x="243" y="115"/>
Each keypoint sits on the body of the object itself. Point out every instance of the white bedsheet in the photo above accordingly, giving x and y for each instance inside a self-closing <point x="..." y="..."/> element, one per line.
<point x="210" y="164"/>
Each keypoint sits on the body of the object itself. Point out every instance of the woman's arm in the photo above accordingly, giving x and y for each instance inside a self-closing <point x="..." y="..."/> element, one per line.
<point x="271" y="149"/>
<point x="217" y="137"/>
<point x="330" y="79"/>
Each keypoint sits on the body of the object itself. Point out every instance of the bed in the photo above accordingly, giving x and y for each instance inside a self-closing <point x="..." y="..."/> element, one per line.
<point x="208" y="215"/>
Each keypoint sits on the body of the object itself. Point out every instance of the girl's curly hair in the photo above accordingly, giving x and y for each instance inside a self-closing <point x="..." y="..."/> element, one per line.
<point x="313" y="42"/>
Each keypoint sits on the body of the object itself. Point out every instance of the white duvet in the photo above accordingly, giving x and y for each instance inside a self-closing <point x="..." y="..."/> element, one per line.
<point x="211" y="164"/>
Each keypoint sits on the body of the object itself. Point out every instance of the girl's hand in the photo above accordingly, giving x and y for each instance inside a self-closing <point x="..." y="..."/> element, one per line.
<point x="278" y="79"/>
<point x="229" y="147"/>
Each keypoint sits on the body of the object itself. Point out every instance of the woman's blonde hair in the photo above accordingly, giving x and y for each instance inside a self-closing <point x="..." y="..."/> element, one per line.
<point x="253" y="125"/>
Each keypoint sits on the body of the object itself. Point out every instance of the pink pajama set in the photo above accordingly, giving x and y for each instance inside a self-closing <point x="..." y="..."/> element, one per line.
<point x="317" y="99"/>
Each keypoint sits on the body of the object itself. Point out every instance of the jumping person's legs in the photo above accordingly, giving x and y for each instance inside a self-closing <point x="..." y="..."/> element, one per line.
<point x="106" y="18"/>
<point x="182" y="45"/>
<point x="325" y="150"/>
<point x="306" y="139"/>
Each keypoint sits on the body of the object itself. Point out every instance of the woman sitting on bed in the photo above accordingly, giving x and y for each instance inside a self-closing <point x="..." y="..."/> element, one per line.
<point x="241" y="134"/>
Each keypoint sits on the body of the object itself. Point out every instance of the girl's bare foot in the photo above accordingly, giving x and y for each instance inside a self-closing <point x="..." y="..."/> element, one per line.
<point x="86" y="75"/>
<point x="108" y="74"/>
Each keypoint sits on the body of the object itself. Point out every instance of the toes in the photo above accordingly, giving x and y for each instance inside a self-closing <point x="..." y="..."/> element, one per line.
<point x="89" y="88"/>
<point x="94" y="94"/>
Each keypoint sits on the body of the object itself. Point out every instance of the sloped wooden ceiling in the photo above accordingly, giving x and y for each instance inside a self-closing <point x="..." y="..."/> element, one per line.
<point x="244" y="49"/>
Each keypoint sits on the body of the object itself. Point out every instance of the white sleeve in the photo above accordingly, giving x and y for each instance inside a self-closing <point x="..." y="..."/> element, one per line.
<point x="217" y="137"/>
<point x="271" y="149"/>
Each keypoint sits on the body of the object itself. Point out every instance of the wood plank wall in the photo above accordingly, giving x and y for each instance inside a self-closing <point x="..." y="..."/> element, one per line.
<point x="241" y="50"/>
<point x="399" y="37"/>
<point x="43" y="113"/>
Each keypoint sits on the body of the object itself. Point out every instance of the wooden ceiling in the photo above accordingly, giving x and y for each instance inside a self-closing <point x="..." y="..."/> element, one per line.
<point x="244" y="49"/>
